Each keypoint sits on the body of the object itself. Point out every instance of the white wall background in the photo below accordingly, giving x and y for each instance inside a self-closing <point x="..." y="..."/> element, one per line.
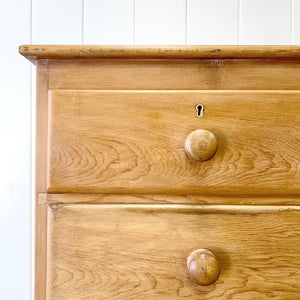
<point x="98" y="22"/>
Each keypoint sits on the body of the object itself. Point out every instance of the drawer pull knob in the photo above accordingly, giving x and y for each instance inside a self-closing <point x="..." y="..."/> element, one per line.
<point x="201" y="145"/>
<point x="203" y="267"/>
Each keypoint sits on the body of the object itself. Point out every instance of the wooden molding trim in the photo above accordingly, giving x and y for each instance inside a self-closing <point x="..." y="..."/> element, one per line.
<point x="33" y="52"/>
<point x="41" y="180"/>
<point x="221" y="209"/>
<point x="138" y="199"/>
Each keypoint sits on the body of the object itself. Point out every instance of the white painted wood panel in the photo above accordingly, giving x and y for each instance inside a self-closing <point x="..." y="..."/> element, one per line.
<point x="160" y="22"/>
<point x="109" y="22"/>
<point x="56" y="21"/>
<point x="14" y="151"/>
<point x="265" y="22"/>
<point x="296" y="22"/>
<point x="213" y="22"/>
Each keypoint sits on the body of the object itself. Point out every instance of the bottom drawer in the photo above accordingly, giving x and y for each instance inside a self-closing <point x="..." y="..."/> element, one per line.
<point x="140" y="251"/>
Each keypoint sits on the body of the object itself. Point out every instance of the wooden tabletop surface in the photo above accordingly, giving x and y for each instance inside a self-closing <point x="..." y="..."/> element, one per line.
<point x="34" y="52"/>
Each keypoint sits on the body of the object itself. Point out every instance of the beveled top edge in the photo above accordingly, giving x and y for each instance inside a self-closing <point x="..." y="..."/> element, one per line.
<point x="34" y="52"/>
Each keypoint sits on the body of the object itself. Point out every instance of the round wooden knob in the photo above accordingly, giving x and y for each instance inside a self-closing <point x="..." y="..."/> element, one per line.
<point x="201" y="145"/>
<point x="203" y="267"/>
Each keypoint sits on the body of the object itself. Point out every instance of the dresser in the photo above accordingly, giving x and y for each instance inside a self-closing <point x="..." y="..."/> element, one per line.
<point x="167" y="172"/>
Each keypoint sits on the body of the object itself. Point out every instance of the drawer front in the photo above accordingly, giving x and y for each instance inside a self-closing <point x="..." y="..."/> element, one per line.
<point x="134" y="142"/>
<point x="140" y="252"/>
<point x="174" y="74"/>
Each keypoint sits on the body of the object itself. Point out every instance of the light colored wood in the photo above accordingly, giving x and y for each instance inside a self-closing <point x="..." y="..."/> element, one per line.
<point x="201" y="145"/>
<point x="69" y="198"/>
<point x="138" y="252"/>
<point x="208" y="209"/>
<point x="203" y="266"/>
<point x="40" y="262"/>
<point x="96" y="51"/>
<point x="133" y="142"/>
<point x="164" y="74"/>
<point x="215" y="209"/>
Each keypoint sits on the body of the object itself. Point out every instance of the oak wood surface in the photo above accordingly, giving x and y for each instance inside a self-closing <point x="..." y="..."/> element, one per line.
<point x="258" y="245"/>
<point x="73" y="198"/>
<point x="166" y="74"/>
<point x="140" y="252"/>
<point x="133" y="142"/>
<point x="103" y="51"/>
<point x="40" y="252"/>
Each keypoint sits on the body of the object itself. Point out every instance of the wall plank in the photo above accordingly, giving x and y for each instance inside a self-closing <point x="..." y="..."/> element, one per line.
<point x="296" y="22"/>
<point x="265" y="22"/>
<point x="160" y="22"/>
<point x="14" y="151"/>
<point x="212" y="22"/>
<point x="109" y="22"/>
<point x="57" y="22"/>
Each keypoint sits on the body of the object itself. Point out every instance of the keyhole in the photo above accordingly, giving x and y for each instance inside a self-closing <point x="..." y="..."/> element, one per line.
<point x="199" y="108"/>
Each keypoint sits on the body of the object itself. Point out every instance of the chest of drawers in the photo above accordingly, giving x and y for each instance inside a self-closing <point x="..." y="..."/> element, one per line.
<point x="167" y="172"/>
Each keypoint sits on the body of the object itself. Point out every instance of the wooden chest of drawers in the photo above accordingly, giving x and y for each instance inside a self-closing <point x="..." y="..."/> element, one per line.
<point x="167" y="172"/>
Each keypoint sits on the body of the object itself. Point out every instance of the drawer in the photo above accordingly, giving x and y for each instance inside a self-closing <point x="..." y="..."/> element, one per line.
<point x="174" y="74"/>
<point x="140" y="251"/>
<point x="134" y="142"/>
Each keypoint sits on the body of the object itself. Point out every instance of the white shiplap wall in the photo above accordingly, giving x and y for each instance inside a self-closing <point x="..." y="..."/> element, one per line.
<point x="15" y="107"/>
<point x="172" y="22"/>
<point x="99" y="22"/>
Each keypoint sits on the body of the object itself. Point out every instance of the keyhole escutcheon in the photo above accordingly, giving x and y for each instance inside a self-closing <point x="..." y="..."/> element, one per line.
<point x="199" y="108"/>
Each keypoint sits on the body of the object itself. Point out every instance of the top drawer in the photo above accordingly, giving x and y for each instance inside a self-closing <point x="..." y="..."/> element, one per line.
<point x="134" y="142"/>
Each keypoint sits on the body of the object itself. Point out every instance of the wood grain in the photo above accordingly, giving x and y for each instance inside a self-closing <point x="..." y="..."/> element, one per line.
<point x="40" y="253"/>
<point x="166" y="74"/>
<point x="133" y="142"/>
<point x="140" y="252"/>
<point x="103" y="51"/>
<point x="69" y="198"/>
